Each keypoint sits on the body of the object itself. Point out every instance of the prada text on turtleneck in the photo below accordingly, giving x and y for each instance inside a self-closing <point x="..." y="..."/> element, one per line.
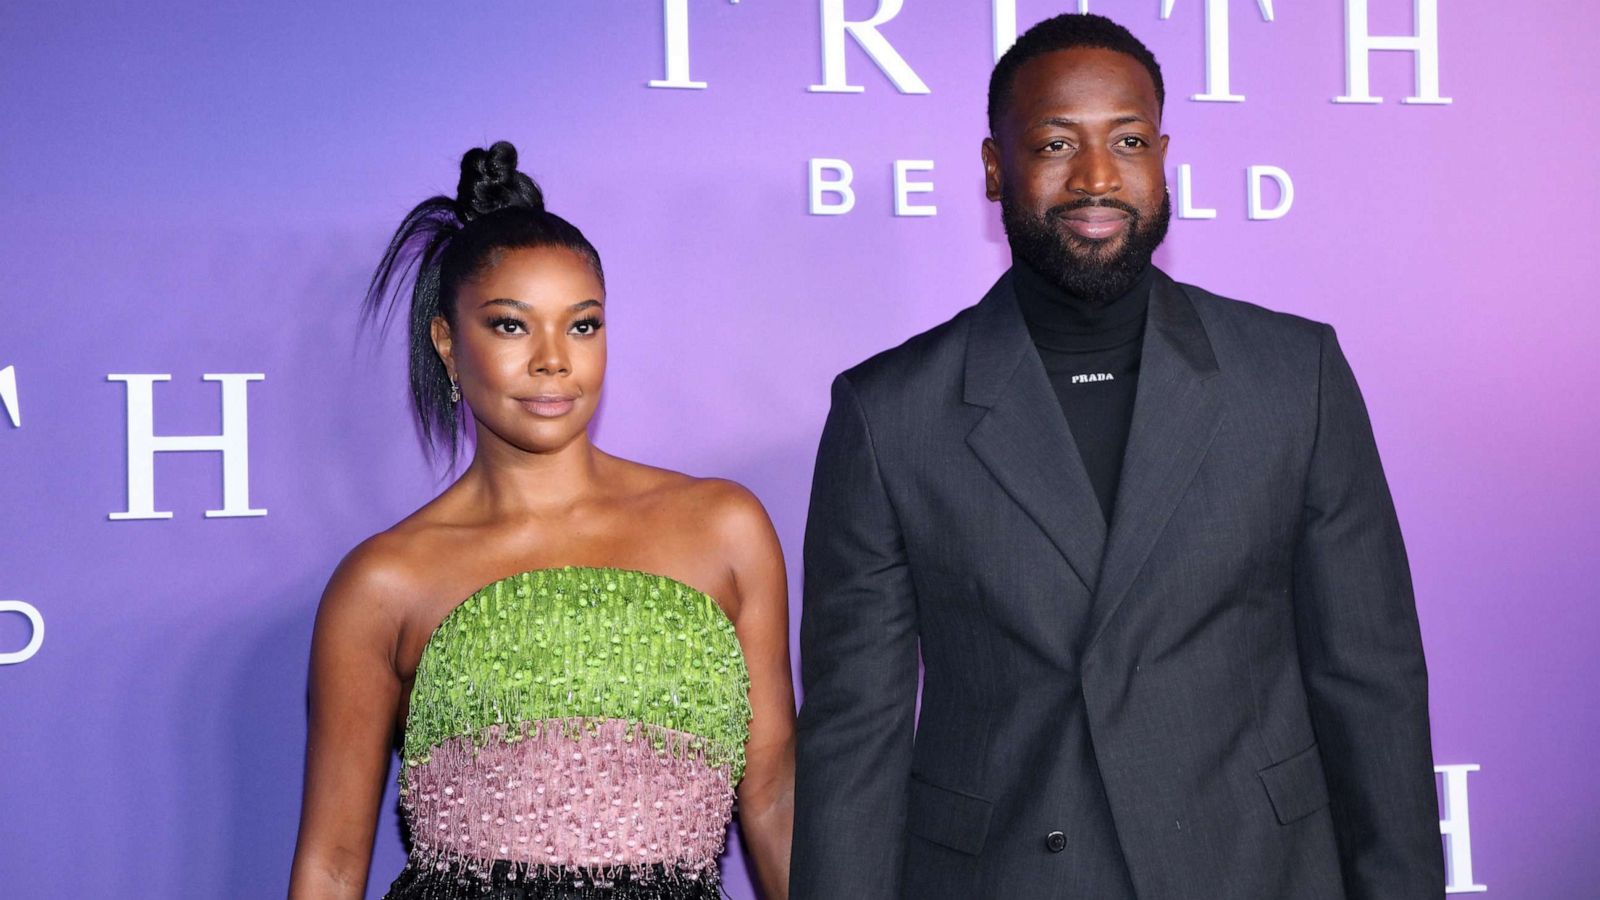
<point x="1091" y="352"/>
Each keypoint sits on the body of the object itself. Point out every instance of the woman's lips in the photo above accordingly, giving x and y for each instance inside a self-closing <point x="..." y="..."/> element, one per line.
<point x="549" y="406"/>
<point x="1096" y="224"/>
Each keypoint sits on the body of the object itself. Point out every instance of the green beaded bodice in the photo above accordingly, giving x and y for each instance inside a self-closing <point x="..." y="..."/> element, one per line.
<point x="581" y="646"/>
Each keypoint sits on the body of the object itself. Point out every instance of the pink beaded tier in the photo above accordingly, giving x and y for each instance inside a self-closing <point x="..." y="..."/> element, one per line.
<point x="574" y="733"/>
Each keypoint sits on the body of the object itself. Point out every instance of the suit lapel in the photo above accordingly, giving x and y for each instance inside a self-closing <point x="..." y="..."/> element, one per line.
<point x="1175" y="416"/>
<point x="1023" y="438"/>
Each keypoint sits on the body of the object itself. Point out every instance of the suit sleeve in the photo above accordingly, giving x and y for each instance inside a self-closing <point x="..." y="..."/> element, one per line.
<point x="1361" y="655"/>
<point x="858" y="653"/>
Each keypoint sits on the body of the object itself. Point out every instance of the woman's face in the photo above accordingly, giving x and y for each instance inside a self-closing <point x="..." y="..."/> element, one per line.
<point x="528" y="347"/>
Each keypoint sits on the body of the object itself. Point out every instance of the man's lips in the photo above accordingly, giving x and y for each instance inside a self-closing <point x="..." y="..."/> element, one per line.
<point x="548" y="405"/>
<point x="1095" y="223"/>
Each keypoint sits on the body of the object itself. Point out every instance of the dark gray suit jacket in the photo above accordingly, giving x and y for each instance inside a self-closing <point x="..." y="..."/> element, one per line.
<point x="1222" y="697"/>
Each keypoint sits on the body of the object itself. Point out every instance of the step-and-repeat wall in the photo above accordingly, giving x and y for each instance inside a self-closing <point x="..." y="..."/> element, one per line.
<point x="194" y="427"/>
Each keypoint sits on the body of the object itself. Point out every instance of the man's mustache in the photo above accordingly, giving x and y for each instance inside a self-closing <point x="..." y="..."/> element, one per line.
<point x="1061" y="210"/>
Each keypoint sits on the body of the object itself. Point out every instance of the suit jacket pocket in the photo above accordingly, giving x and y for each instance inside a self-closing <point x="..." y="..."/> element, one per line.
<point x="1296" y="786"/>
<point x="948" y="818"/>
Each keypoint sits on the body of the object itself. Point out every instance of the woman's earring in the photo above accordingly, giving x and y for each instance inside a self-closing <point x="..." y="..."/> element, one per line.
<point x="455" y="391"/>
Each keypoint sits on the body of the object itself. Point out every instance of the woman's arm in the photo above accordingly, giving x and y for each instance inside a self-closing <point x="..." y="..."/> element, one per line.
<point x="766" y="795"/>
<point x="355" y="690"/>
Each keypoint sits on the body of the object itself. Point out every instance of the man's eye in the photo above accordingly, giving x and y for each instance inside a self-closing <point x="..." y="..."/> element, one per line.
<point x="1056" y="146"/>
<point x="1132" y="141"/>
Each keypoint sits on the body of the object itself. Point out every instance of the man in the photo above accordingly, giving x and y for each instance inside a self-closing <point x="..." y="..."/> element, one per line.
<point x="1142" y="539"/>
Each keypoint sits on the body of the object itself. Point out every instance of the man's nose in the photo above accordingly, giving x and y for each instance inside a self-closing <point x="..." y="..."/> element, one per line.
<point x="1094" y="173"/>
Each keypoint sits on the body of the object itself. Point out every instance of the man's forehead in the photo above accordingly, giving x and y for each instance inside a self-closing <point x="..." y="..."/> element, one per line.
<point x="1081" y="77"/>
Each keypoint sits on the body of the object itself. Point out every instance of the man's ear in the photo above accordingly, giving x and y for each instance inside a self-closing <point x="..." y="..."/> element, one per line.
<point x="991" y="169"/>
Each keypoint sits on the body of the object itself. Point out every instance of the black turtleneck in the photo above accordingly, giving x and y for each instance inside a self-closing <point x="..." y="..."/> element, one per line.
<point x="1091" y="352"/>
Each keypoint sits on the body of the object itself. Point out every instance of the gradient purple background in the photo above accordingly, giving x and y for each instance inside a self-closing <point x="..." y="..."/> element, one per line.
<point x="193" y="187"/>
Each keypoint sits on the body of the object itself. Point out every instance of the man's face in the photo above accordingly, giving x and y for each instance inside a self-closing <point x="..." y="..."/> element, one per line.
<point x="1077" y="167"/>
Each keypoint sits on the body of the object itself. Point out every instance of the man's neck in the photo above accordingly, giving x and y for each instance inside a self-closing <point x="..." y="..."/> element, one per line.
<point x="1054" y="314"/>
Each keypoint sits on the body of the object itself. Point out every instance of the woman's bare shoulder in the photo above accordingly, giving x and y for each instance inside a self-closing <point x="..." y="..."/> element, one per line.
<point x="727" y="517"/>
<point x="731" y="509"/>
<point x="709" y="502"/>
<point x="377" y="585"/>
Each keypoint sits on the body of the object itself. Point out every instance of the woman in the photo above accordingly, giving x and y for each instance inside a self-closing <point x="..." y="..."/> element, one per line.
<point x="576" y="726"/>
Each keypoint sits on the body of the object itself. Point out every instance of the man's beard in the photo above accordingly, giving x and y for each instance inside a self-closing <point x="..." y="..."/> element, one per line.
<point x="1085" y="268"/>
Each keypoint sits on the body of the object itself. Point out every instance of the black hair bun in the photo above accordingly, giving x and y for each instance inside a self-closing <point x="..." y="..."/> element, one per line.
<point x="490" y="182"/>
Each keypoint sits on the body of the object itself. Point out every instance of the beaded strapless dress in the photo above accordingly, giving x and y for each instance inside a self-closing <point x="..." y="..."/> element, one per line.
<point x="574" y="733"/>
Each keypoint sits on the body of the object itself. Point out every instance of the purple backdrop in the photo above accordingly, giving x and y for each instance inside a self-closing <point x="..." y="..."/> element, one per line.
<point x="194" y="188"/>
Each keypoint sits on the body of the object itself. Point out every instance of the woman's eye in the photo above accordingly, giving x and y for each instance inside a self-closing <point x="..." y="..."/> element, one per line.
<point x="506" y="326"/>
<point x="585" y="327"/>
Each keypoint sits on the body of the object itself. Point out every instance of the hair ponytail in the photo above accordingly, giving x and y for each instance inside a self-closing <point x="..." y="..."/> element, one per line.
<point x="416" y="252"/>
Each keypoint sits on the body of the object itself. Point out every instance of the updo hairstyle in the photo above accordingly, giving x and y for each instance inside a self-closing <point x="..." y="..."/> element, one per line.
<point x="447" y="241"/>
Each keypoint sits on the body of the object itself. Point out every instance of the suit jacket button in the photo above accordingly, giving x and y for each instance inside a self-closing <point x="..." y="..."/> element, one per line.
<point x="1056" y="841"/>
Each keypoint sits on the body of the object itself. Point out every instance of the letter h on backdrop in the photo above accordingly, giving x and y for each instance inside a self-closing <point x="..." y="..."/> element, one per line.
<point x="143" y="445"/>
<point x="1456" y="828"/>
<point x="1359" y="43"/>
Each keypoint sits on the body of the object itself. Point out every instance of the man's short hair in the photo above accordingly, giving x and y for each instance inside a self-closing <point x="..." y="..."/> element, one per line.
<point x="1066" y="32"/>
